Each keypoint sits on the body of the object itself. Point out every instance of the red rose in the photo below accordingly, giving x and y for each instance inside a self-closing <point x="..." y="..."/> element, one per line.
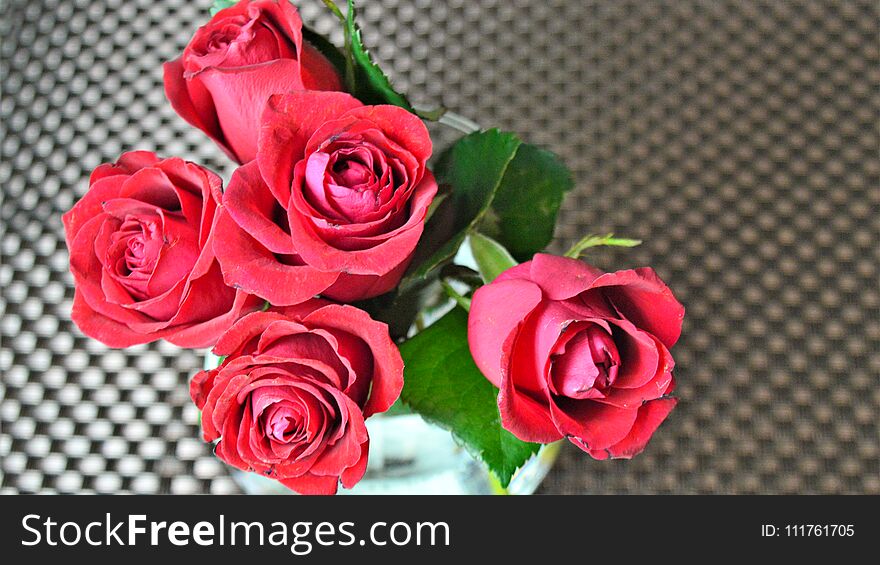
<point x="141" y="255"/>
<point x="578" y="353"/>
<point x="234" y="63"/>
<point x="334" y="203"/>
<point x="290" y="399"/>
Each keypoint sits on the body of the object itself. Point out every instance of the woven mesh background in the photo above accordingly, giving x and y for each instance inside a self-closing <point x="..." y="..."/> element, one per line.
<point x="738" y="139"/>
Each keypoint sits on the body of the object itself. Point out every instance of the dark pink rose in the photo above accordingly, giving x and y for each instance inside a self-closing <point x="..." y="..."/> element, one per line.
<point x="290" y="399"/>
<point x="232" y="65"/>
<point x="334" y="203"/>
<point x="142" y="258"/>
<point x="578" y="353"/>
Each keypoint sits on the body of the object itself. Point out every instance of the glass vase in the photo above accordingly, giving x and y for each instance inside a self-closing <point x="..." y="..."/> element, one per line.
<point x="411" y="456"/>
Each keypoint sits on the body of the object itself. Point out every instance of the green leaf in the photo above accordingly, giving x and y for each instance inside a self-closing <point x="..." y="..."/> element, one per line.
<point x="367" y="82"/>
<point x="491" y="257"/>
<point x="473" y="167"/>
<point x="596" y="240"/>
<point x="221" y="5"/>
<point x="500" y="186"/>
<point x="444" y="386"/>
<point x="524" y="211"/>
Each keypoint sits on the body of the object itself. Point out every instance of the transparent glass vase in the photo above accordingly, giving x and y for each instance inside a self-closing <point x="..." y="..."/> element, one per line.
<point x="410" y="456"/>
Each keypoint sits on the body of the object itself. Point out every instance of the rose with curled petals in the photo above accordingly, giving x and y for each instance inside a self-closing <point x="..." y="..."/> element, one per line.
<point x="290" y="398"/>
<point x="141" y="254"/>
<point x="232" y="65"/>
<point x="577" y="353"/>
<point x="334" y="203"/>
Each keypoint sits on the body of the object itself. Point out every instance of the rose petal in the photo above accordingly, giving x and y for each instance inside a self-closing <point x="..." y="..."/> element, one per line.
<point x="496" y="311"/>
<point x="244" y="331"/>
<point x="646" y="301"/>
<point x="246" y="264"/>
<point x="200" y="385"/>
<point x="561" y="277"/>
<point x="352" y="475"/>
<point x="639" y="355"/>
<point x="88" y="207"/>
<point x="192" y="102"/>
<point x="290" y="340"/>
<point x="526" y="418"/>
<point x="377" y="260"/>
<point x="650" y="416"/>
<point x="104" y="329"/>
<point x="127" y="164"/>
<point x="538" y="338"/>
<point x="661" y="383"/>
<point x="311" y="484"/>
<point x="387" y="380"/>
<point x="346" y="452"/>
<point x="250" y="203"/>
<point x="240" y="95"/>
<point x="204" y="334"/>
<point x="87" y="273"/>
<point x="403" y="127"/>
<point x="317" y="72"/>
<point x="351" y="288"/>
<point x="592" y="425"/>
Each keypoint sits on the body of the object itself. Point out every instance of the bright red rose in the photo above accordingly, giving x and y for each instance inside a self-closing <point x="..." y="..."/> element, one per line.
<point x="232" y="65"/>
<point x="334" y="203"/>
<point x="141" y="255"/>
<point x="290" y="399"/>
<point x="578" y="353"/>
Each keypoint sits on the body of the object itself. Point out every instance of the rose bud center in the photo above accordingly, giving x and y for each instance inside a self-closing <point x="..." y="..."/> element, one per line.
<point x="149" y="252"/>
<point x="285" y="422"/>
<point x="354" y="181"/>
<point x="238" y="42"/>
<point x="586" y="364"/>
<point x="292" y="419"/>
<point x="222" y="37"/>
<point x="133" y="252"/>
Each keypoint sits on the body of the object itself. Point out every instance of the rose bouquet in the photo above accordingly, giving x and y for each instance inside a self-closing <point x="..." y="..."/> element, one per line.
<point x="345" y="270"/>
